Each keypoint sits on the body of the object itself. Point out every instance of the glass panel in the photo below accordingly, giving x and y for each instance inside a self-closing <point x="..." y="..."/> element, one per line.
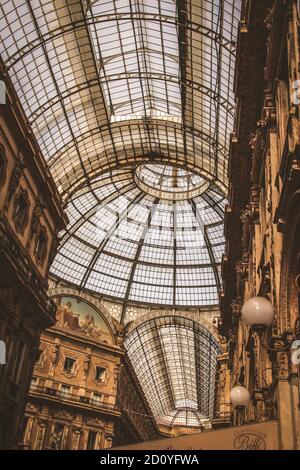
<point x="175" y="361"/>
<point x="129" y="245"/>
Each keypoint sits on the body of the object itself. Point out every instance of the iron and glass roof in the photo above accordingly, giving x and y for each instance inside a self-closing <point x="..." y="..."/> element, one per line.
<point x="107" y="83"/>
<point x="127" y="244"/>
<point x="132" y="105"/>
<point x="175" y="362"/>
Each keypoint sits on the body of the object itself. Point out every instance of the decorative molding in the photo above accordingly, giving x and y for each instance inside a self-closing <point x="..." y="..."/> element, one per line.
<point x="14" y="182"/>
<point x="96" y="422"/>
<point x="194" y="316"/>
<point x="75" y="371"/>
<point x="35" y="220"/>
<point x="254" y="204"/>
<point x="63" y="414"/>
<point x="100" y="383"/>
<point x="86" y="364"/>
<point x="53" y="249"/>
<point x="54" y="354"/>
<point x="289" y="252"/>
<point x="41" y="231"/>
<point x="282" y="366"/>
<point x="20" y="224"/>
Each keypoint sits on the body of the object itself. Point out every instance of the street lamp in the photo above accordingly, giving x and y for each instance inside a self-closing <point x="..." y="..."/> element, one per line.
<point x="239" y="396"/>
<point x="258" y="313"/>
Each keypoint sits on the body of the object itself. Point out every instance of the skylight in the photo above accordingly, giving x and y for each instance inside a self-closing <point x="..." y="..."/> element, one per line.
<point x="138" y="57"/>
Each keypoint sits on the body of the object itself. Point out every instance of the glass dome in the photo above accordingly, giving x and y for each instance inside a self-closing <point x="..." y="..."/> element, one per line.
<point x="168" y="182"/>
<point x="122" y="242"/>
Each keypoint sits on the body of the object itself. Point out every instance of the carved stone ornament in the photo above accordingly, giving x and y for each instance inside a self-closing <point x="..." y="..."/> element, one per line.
<point x="14" y="182"/>
<point x="63" y="414"/>
<point x="86" y="363"/>
<point x="236" y="308"/>
<point x="242" y="267"/>
<point x="282" y="365"/>
<point x="269" y="19"/>
<point x="35" y="221"/>
<point x="245" y="214"/>
<point x="54" y="248"/>
<point x="254" y="204"/>
<point x="41" y="245"/>
<point x="54" y="354"/>
<point x="252" y="141"/>
<point x="76" y="434"/>
<point x="30" y="407"/>
<point x="116" y="374"/>
<point x="21" y="210"/>
<point x="223" y="343"/>
<point x="259" y="410"/>
<point x="42" y="359"/>
<point x="95" y="422"/>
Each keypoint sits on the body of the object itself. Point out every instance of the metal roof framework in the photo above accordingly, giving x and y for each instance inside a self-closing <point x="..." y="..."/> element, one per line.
<point x="175" y="362"/>
<point x="126" y="244"/>
<point x="110" y="85"/>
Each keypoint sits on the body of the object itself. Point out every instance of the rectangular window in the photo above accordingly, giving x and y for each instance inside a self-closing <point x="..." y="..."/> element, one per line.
<point x="97" y="398"/>
<point x="91" y="440"/>
<point x="65" y="390"/>
<point x="100" y="373"/>
<point x="69" y="365"/>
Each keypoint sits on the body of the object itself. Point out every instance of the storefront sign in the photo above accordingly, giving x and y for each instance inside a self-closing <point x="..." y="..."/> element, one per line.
<point x="263" y="436"/>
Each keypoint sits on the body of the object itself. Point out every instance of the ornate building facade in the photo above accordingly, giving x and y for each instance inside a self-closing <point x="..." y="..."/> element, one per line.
<point x="262" y="223"/>
<point x="73" y="391"/>
<point x="132" y="134"/>
<point x="30" y="218"/>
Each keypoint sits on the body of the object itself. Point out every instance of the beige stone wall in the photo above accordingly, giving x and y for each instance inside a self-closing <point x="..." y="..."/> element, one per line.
<point x="265" y="261"/>
<point x="79" y="404"/>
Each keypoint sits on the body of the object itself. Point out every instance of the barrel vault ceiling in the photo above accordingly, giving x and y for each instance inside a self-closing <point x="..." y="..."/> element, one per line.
<point x="111" y="89"/>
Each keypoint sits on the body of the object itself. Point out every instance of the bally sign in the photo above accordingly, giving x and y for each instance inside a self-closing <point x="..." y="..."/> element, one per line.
<point x="263" y="436"/>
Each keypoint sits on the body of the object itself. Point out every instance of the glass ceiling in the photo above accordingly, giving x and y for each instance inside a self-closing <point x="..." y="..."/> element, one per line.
<point x="126" y="244"/>
<point x="117" y="93"/>
<point x="175" y="362"/>
<point x="108" y="83"/>
<point x="168" y="182"/>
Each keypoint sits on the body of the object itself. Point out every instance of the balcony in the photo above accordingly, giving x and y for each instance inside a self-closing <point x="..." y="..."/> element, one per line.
<point x="73" y="399"/>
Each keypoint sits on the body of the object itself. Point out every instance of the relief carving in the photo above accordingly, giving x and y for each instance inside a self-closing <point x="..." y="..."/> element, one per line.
<point x="14" y="182"/>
